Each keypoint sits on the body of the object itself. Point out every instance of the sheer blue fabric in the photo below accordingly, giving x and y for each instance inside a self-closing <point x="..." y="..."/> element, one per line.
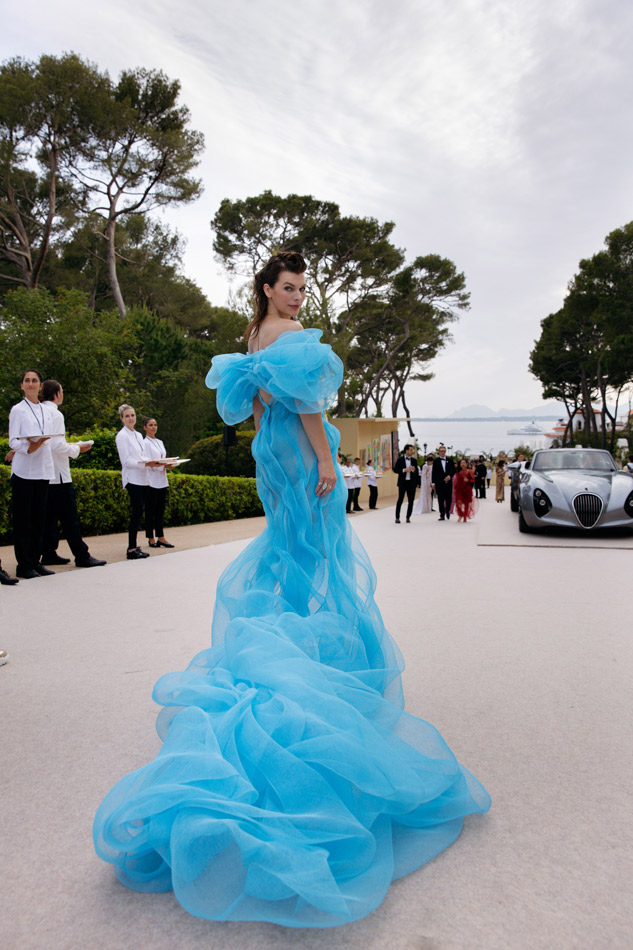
<point x="291" y="786"/>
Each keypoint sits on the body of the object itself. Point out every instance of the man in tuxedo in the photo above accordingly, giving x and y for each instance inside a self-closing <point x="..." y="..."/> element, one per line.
<point x="442" y="482"/>
<point x="406" y="469"/>
<point x="480" y="478"/>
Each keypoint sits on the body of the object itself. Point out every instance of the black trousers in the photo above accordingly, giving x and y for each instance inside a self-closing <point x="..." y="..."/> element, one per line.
<point x="61" y="508"/>
<point x="155" y="499"/>
<point x="28" y="508"/>
<point x="355" y="498"/>
<point x="407" y="489"/>
<point x="444" y="498"/>
<point x="137" y="499"/>
<point x="350" y="499"/>
<point x="373" y="496"/>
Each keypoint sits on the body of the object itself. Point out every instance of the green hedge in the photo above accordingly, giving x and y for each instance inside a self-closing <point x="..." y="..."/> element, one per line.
<point x="104" y="509"/>
<point x="103" y="454"/>
<point x="208" y="456"/>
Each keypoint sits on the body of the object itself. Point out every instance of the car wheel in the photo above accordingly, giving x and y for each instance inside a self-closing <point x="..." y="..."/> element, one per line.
<point x="524" y="527"/>
<point x="514" y="502"/>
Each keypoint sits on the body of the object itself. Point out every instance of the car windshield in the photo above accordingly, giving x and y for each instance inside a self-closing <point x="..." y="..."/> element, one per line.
<point x="572" y="461"/>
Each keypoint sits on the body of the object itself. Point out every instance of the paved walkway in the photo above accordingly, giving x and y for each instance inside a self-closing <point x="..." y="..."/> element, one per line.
<point x="521" y="656"/>
<point x="113" y="547"/>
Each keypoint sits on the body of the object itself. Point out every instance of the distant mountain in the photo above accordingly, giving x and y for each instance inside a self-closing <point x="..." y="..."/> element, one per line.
<point x="473" y="412"/>
<point x="546" y="410"/>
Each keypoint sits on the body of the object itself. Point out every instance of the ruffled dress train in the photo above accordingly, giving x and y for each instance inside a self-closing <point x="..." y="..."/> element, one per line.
<point x="291" y="786"/>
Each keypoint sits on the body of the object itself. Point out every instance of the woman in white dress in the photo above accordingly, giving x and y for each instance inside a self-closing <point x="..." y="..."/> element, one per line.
<point x="31" y="470"/>
<point x="425" y="499"/>
<point x="157" y="485"/>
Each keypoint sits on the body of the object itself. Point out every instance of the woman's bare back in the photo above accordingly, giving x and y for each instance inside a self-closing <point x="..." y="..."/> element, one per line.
<point x="270" y="328"/>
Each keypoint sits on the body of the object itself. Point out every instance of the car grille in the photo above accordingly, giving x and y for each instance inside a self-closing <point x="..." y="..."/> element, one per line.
<point x="588" y="508"/>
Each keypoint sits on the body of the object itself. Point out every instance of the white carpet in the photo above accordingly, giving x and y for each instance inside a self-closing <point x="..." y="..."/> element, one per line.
<point x="522" y="657"/>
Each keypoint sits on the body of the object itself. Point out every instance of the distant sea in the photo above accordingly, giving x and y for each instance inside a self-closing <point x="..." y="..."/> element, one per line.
<point x="474" y="436"/>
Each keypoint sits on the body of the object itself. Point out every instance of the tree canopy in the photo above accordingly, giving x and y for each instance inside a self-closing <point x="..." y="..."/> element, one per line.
<point x="383" y="318"/>
<point x="105" y="151"/>
<point x="585" y="351"/>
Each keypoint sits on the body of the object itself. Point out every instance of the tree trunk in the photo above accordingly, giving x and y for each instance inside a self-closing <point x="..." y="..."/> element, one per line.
<point x="407" y="414"/>
<point x="48" y="227"/>
<point x="112" y="274"/>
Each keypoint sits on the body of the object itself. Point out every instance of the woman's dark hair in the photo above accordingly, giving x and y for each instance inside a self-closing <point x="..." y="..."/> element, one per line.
<point x="147" y="419"/>
<point x="50" y="388"/>
<point x="269" y="274"/>
<point x="37" y="373"/>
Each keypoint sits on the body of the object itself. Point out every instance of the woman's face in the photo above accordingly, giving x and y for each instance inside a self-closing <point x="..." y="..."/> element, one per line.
<point x="286" y="297"/>
<point x="151" y="427"/>
<point x="31" y="386"/>
<point x="463" y="465"/>
<point x="129" y="418"/>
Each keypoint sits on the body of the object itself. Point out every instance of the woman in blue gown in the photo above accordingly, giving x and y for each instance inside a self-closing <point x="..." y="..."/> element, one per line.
<point x="291" y="786"/>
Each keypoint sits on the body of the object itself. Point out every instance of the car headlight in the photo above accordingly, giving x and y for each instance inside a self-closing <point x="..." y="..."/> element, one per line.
<point x="628" y="505"/>
<point x="542" y="504"/>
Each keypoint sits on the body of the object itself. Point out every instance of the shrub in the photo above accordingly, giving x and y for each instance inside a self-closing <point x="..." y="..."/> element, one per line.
<point x="208" y="456"/>
<point x="103" y="504"/>
<point x="103" y="454"/>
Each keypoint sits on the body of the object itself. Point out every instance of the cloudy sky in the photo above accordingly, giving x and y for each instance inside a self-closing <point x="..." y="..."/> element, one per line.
<point x="497" y="133"/>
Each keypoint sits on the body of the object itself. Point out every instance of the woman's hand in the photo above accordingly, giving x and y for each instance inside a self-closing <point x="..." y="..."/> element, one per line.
<point x="326" y="480"/>
<point x="34" y="444"/>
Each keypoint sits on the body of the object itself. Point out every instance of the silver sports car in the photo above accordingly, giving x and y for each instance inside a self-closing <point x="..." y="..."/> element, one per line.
<point x="575" y="488"/>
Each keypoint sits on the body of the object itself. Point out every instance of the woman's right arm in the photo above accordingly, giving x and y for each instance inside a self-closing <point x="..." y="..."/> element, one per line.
<point x="315" y="431"/>
<point x="22" y="446"/>
<point x="130" y="452"/>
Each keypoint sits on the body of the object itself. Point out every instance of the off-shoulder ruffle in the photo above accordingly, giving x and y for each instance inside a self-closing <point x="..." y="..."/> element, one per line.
<point x="297" y="370"/>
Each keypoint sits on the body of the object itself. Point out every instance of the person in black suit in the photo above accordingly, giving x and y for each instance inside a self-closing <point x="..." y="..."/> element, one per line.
<point x="442" y="482"/>
<point x="406" y="468"/>
<point x="480" y="478"/>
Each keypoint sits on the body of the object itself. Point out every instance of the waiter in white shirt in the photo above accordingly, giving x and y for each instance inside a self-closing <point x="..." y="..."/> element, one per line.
<point x="157" y="485"/>
<point x="350" y="478"/>
<point x="358" y="481"/>
<point x="129" y="444"/>
<point x="31" y="471"/>
<point x="61" y="504"/>
<point x="372" y="484"/>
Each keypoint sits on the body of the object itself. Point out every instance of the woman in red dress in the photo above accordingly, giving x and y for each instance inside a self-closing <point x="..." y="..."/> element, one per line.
<point x="465" y="504"/>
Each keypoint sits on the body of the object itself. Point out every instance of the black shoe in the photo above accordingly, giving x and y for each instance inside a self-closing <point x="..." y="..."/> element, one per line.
<point x="152" y="544"/>
<point x="408" y="520"/>
<point x="448" y="517"/>
<point x="54" y="558"/>
<point x="5" y="579"/>
<point x="42" y="571"/>
<point x="136" y="554"/>
<point x="164" y="544"/>
<point x="89" y="561"/>
<point x="359" y="509"/>
<point x="441" y="518"/>
<point x="28" y="574"/>
<point x="397" y="520"/>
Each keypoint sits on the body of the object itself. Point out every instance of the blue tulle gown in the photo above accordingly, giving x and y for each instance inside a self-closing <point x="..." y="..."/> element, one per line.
<point x="291" y="787"/>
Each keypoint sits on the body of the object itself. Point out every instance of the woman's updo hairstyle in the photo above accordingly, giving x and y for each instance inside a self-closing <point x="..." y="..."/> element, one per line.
<point x="123" y="407"/>
<point x="269" y="274"/>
